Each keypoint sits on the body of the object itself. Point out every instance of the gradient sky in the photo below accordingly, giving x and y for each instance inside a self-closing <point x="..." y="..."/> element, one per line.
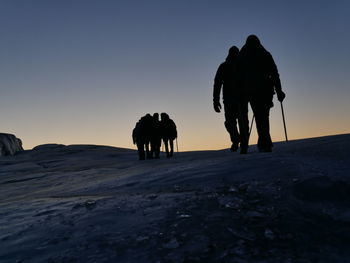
<point x="83" y="72"/>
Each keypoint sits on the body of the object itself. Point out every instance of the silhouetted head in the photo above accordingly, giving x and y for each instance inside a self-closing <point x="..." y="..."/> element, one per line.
<point x="253" y="41"/>
<point x="147" y="118"/>
<point x="164" y="116"/>
<point x="232" y="52"/>
<point x="156" y="116"/>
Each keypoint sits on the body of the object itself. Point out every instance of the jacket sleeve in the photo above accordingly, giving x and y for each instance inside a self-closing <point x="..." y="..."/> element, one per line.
<point x="218" y="82"/>
<point x="274" y="74"/>
<point x="134" y="135"/>
<point x="175" y="130"/>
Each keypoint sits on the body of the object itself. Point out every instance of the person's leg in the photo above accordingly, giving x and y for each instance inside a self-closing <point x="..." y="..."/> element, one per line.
<point x="243" y="123"/>
<point x="157" y="148"/>
<point x="258" y="121"/>
<point x="266" y="137"/>
<point x="153" y="147"/>
<point x="171" y="142"/>
<point x="166" y="147"/>
<point x="261" y="111"/>
<point x="148" y="153"/>
<point x="231" y="124"/>
<point x="141" y="151"/>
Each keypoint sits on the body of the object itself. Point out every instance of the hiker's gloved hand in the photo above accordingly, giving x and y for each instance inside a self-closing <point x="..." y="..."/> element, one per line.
<point x="281" y="95"/>
<point x="217" y="106"/>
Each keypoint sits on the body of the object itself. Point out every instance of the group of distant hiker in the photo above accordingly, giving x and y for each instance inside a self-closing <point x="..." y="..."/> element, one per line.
<point x="248" y="75"/>
<point x="149" y="133"/>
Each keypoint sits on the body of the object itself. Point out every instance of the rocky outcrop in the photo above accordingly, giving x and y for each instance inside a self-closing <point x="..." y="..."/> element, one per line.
<point x="9" y="144"/>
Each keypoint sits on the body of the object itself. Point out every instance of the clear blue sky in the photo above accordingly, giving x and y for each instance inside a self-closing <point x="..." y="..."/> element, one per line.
<point x="85" y="71"/>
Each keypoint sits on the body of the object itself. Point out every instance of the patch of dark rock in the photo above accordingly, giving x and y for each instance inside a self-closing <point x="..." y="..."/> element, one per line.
<point x="260" y="229"/>
<point x="322" y="189"/>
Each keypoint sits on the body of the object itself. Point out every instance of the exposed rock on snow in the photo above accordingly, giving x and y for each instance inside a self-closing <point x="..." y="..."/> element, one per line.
<point x="48" y="147"/>
<point x="9" y="144"/>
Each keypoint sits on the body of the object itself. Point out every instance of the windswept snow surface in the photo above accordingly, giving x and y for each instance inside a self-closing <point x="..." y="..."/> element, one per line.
<point x="86" y="203"/>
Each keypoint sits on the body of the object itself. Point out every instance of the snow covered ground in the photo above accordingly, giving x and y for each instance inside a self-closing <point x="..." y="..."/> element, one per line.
<point x="87" y="203"/>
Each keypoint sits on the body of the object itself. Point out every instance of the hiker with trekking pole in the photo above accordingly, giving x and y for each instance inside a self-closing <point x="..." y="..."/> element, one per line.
<point x="168" y="133"/>
<point x="259" y="81"/>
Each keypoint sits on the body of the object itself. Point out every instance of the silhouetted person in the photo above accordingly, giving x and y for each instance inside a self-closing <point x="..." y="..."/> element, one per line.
<point x="235" y="107"/>
<point x="156" y="139"/>
<point x="169" y="133"/>
<point x="259" y="80"/>
<point x="142" y="136"/>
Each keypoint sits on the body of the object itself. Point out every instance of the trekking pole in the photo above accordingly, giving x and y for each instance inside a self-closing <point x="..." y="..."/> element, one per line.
<point x="251" y="127"/>
<point x="284" y="122"/>
<point x="177" y="146"/>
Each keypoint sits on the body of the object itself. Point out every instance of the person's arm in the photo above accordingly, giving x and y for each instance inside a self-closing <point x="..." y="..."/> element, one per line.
<point x="174" y="129"/>
<point x="276" y="79"/>
<point x="134" y="135"/>
<point x="218" y="82"/>
<point x="175" y="132"/>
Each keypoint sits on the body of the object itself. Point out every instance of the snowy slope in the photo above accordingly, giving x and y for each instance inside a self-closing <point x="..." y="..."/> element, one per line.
<point x="87" y="203"/>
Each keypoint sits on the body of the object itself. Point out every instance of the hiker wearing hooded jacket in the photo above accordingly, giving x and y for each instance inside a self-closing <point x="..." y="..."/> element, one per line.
<point x="141" y="136"/>
<point x="235" y="108"/>
<point x="259" y="81"/>
<point x="169" y="133"/>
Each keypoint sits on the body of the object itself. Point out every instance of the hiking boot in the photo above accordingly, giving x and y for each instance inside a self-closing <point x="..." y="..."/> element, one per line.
<point x="234" y="147"/>
<point x="265" y="149"/>
<point x="244" y="150"/>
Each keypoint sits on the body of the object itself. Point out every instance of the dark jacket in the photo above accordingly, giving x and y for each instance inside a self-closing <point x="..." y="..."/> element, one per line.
<point x="142" y="133"/>
<point x="226" y="78"/>
<point x="168" y="128"/>
<point x="258" y="72"/>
